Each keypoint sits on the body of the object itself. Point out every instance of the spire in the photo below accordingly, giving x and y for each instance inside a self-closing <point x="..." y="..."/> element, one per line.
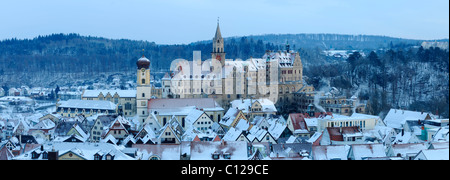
<point x="288" y="47"/>
<point x="218" y="34"/>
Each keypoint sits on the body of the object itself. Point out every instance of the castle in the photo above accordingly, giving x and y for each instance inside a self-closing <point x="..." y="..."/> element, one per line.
<point x="275" y="76"/>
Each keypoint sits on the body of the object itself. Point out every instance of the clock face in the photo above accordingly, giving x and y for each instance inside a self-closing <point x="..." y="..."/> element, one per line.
<point x="143" y="70"/>
<point x="218" y="57"/>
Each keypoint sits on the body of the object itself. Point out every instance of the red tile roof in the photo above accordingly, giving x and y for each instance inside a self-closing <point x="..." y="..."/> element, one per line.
<point x="298" y="121"/>
<point x="196" y="139"/>
<point x="217" y="138"/>
<point x="335" y="133"/>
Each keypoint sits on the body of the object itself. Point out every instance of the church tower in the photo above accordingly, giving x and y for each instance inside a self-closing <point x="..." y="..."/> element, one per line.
<point x="143" y="89"/>
<point x="218" y="46"/>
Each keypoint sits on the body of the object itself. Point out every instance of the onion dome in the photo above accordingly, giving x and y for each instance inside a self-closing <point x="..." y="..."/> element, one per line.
<point x="143" y="62"/>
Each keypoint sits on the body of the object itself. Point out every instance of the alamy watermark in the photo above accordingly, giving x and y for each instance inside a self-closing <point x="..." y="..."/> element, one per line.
<point x="251" y="77"/>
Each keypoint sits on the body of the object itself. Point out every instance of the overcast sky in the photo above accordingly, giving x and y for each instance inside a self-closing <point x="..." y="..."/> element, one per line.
<point x="186" y="21"/>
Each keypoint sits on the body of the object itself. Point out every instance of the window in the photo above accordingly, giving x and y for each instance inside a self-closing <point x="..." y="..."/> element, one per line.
<point x="97" y="157"/>
<point x="226" y="155"/>
<point x="154" y="158"/>
<point x="143" y="94"/>
<point x="143" y="81"/>
<point x="215" y="155"/>
<point x="34" y="155"/>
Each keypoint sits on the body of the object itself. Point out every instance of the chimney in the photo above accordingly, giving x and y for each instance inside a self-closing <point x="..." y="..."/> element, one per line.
<point x="53" y="155"/>
<point x="42" y="147"/>
<point x="403" y="132"/>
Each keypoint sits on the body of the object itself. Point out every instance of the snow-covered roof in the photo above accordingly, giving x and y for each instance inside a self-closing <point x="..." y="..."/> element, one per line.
<point x="121" y="93"/>
<point x="232" y="134"/>
<point x="435" y="154"/>
<point x="245" y="104"/>
<point x="200" y="103"/>
<point x="177" y="111"/>
<point x="363" y="151"/>
<point x="405" y="149"/>
<point x="193" y="116"/>
<point x="229" y="117"/>
<point x="284" y="59"/>
<point x="204" y="150"/>
<point x="330" y="152"/>
<point x="84" y="150"/>
<point x="396" y="117"/>
<point x="441" y="135"/>
<point x="87" y="104"/>
<point x="276" y="129"/>
<point x="15" y="98"/>
<point x="163" y="152"/>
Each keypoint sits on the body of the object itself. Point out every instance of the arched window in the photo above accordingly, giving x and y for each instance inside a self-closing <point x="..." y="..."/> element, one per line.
<point x="143" y="81"/>
<point x="154" y="158"/>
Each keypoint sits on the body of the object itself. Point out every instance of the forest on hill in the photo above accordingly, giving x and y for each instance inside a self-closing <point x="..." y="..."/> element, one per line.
<point x="387" y="72"/>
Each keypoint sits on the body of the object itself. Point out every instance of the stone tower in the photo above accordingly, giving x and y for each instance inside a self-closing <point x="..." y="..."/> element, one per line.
<point x="143" y="89"/>
<point x="218" y="47"/>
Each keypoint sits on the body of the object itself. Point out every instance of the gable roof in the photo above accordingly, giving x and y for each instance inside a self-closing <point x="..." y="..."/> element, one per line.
<point x="363" y="151"/>
<point x="5" y="153"/>
<point x="119" y="124"/>
<point x="193" y="116"/>
<point x="204" y="150"/>
<point x="338" y="133"/>
<point x="435" y="154"/>
<point x="330" y="152"/>
<point x="291" y="150"/>
<point x="245" y="105"/>
<point x="298" y="121"/>
<point x="404" y="149"/>
<point x="396" y="117"/>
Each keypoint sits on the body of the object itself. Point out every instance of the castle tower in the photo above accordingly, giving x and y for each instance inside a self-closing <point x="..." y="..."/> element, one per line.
<point x="218" y="46"/>
<point x="143" y="89"/>
<point x="298" y="68"/>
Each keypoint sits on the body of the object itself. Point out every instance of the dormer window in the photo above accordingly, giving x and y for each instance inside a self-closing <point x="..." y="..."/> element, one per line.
<point x="109" y="157"/>
<point x="226" y="155"/>
<point x="34" y="155"/>
<point x="45" y="155"/>
<point x="215" y="155"/>
<point x="97" y="157"/>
